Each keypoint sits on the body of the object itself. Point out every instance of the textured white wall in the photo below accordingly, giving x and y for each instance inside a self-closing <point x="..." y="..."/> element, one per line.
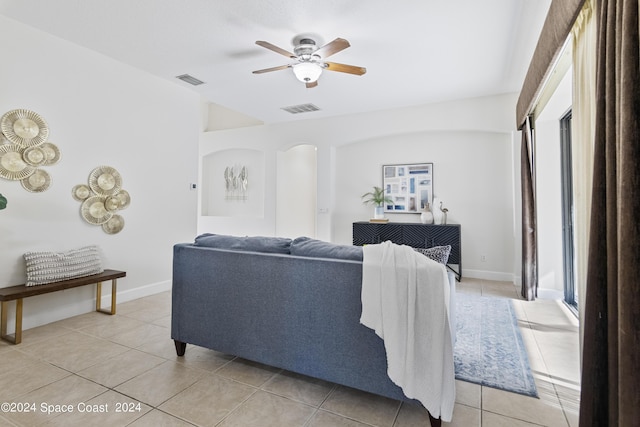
<point x="100" y="112"/>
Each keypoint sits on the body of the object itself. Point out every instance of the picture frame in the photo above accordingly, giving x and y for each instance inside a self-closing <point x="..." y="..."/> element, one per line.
<point x="409" y="186"/>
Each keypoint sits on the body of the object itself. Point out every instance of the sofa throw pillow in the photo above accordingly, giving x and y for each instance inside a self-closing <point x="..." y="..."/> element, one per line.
<point x="49" y="267"/>
<point x="308" y="247"/>
<point x="437" y="253"/>
<point x="276" y="245"/>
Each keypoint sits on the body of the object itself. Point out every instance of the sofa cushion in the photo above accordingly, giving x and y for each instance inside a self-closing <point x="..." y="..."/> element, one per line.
<point x="306" y="246"/>
<point x="277" y="245"/>
<point x="49" y="267"/>
<point x="437" y="253"/>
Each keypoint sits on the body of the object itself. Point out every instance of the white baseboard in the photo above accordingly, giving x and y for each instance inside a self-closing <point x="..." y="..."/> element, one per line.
<point x="544" y="292"/>
<point x="488" y="275"/>
<point x="135" y="293"/>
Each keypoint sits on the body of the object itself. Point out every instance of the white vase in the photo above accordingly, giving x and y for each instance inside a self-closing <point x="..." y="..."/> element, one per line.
<point x="426" y="217"/>
<point x="438" y="216"/>
<point x="378" y="212"/>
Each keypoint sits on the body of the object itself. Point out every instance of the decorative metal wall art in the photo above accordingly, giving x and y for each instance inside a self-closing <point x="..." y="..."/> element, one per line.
<point x="24" y="149"/>
<point x="102" y="198"/>
<point x="236" y="182"/>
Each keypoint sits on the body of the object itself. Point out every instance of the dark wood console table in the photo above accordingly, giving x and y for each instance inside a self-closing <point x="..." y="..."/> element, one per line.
<point x="414" y="235"/>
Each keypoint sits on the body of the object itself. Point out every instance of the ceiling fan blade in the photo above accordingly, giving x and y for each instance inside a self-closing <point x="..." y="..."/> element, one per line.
<point x="275" y="48"/>
<point x="312" y="84"/>
<point x="266" y="70"/>
<point x="343" y="68"/>
<point x="332" y="47"/>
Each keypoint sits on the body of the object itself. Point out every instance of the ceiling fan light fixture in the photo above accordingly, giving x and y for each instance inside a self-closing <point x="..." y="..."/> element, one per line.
<point x="309" y="60"/>
<point x="307" y="72"/>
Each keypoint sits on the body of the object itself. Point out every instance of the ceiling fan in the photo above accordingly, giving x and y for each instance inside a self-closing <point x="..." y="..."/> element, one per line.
<point x="309" y="60"/>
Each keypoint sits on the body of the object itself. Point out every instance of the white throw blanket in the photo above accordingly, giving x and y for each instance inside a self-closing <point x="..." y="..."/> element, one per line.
<point x="405" y="300"/>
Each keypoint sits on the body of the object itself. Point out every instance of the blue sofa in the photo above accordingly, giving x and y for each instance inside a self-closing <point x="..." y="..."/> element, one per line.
<point x="289" y="304"/>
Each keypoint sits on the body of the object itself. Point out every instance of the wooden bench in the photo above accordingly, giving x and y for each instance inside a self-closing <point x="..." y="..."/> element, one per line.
<point x="17" y="293"/>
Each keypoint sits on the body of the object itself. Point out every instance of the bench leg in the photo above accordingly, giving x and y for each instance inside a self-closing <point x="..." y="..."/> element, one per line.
<point x="17" y="336"/>
<point x="114" y="285"/>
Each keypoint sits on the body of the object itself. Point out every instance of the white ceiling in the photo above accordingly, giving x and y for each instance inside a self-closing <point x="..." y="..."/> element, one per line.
<point x="415" y="51"/>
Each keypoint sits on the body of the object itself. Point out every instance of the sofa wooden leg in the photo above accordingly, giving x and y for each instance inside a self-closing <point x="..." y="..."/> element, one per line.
<point x="435" y="422"/>
<point x="180" y="347"/>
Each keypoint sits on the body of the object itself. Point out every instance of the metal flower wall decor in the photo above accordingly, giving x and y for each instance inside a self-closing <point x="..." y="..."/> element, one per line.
<point x="25" y="149"/>
<point x="236" y="182"/>
<point x="102" y="198"/>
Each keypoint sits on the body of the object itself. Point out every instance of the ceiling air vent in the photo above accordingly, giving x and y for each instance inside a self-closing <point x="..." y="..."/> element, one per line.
<point x="190" y="79"/>
<point x="302" y="108"/>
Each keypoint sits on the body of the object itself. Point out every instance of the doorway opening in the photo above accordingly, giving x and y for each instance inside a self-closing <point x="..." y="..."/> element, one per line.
<point x="296" y="192"/>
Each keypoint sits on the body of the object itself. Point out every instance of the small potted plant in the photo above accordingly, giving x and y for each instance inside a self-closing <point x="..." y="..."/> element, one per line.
<point x="3" y="202"/>
<point x="376" y="198"/>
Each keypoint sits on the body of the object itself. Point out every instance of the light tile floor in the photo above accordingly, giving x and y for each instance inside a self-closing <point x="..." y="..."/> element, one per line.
<point x="122" y="370"/>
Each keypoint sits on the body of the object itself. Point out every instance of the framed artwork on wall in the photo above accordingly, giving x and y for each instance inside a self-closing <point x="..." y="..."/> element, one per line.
<point x="409" y="186"/>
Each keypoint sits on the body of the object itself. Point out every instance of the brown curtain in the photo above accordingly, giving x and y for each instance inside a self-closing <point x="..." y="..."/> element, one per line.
<point x="557" y="26"/>
<point x="610" y="393"/>
<point x="529" y="239"/>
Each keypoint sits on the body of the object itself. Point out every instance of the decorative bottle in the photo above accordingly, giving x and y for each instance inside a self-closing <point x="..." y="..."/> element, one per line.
<point x="426" y="217"/>
<point x="437" y="213"/>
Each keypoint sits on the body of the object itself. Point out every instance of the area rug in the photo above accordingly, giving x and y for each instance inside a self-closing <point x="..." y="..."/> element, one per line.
<point x="489" y="349"/>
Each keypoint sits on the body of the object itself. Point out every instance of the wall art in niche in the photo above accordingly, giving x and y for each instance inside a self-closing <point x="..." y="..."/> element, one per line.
<point x="102" y="198"/>
<point x="26" y="150"/>
<point x="236" y="180"/>
<point x="409" y="186"/>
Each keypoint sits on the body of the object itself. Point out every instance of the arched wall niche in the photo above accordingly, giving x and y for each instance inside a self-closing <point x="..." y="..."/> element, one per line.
<point x="216" y="200"/>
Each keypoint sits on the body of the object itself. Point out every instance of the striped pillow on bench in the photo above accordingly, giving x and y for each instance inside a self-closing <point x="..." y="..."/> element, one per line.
<point x="49" y="267"/>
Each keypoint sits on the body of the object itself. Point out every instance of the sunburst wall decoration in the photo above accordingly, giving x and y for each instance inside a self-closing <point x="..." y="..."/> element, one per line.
<point x="25" y="149"/>
<point x="102" y="198"/>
